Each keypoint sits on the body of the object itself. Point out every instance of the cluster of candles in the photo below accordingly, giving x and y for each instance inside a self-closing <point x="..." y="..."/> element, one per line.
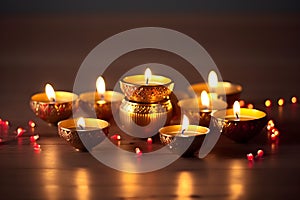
<point x="56" y="106"/>
<point x="146" y="91"/>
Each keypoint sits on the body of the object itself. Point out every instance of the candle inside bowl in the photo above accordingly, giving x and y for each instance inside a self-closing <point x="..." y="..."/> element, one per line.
<point x="242" y="125"/>
<point x="146" y="88"/>
<point x="104" y="103"/>
<point x="184" y="139"/>
<point x="219" y="89"/>
<point x="53" y="106"/>
<point x="200" y="109"/>
<point x="89" y="130"/>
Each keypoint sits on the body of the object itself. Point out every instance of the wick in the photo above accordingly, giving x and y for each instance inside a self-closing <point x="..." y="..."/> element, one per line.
<point x="147" y="81"/>
<point x="182" y="132"/>
<point x="101" y="96"/>
<point x="81" y="127"/>
<point x="237" y="115"/>
<point x="52" y="99"/>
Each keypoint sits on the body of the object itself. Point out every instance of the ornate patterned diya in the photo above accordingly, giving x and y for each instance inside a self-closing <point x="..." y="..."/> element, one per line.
<point x="53" y="106"/>
<point x="146" y="106"/>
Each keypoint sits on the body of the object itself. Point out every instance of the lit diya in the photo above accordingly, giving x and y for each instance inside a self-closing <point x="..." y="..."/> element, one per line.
<point x="83" y="133"/>
<point x="146" y="88"/>
<point x="240" y="124"/>
<point x="185" y="140"/>
<point x="53" y="106"/>
<point x="218" y="89"/>
<point x="200" y="109"/>
<point x="104" y="103"/>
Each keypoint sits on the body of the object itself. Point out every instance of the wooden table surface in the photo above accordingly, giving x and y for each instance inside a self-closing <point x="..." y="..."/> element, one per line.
<point x="258" y="51"/>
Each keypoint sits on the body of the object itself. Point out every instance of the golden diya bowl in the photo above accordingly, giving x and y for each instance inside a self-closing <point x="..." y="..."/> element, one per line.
<point x="242" y="129"/>
<point x="53" y="111"/>
<point x="185" y="144"/>
<point x="104" y="108"/>
<point x="197" y="112"/>
<point x="92" y="134"/>
<point x="143" y="120"/>
<point x="135" y="89"/>
<point x="230" y="91"/>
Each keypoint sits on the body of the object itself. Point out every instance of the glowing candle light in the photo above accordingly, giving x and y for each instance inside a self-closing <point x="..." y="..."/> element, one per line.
<point x="205" y="99"/>
<point x="148" y="75"/>
<point x="250" y="106"/>
<point x="50" y="92"/>
<point x="213" y="84"/>
<point x="236" y="109"/>
<point x="100" y="86"/>
<point x="273" y="137"/>
<point x="185" y="124"/>
<point x="212" y="79"/>
<point x="270" y="124"/>
<point x="81" y="123"/>
<point x="242" y="103"/>
<point x="268" y="103"/>
<point x="280" y="102"/>
<point x="294" y="100"/>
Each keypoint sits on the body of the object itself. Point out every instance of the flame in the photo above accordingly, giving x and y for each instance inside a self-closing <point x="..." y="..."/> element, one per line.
<point x="81" y="123"/>
<point x="148" y="75"/>
<point x="100" y="85"/>
<point x="204" y="99"/>
<point x="50" y="92"/>
<point x="212" y="79"/>
<point x="236" y="109"/>
<point x="185" y="123"/>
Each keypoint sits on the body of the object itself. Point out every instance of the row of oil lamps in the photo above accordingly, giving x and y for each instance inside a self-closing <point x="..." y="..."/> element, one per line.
<point x="146" y="109"/>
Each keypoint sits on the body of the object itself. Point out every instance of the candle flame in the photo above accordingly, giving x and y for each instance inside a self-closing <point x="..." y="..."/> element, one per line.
<point x="100" y="86"/>
<point x="212" y="79"/>
<point x="50" y="92"/>
<point x="185" y="124"/>
<point x="148" y="75"/>
<point x="204" y="99"/>
<point x="236" y="109"/>
<point x="81" y="123"/>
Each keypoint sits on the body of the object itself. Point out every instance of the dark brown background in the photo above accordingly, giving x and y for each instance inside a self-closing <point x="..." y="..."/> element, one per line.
<point x="256" y="45"/>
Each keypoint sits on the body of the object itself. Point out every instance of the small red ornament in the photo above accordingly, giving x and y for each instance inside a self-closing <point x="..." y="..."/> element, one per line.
<point x="260" y="153"/>
<point x="116" y="137"/>
<point x="20" y="131"/>
<point x="138" y="151"/>
<point x="31" y="124"/>
<point x="149" y="140"/>
<point x="250" y="157"/>
<point x="34" y="138"/>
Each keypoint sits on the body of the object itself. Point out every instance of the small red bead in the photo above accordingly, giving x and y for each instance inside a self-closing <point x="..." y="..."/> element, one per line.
<point x="250" y="156"/>
<point x="260" y="153"/>
<point x="31" y="124"/>
<point x="149" y="140"/>
<point x="20" y="131"/>
<point x="138" y="151"/>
